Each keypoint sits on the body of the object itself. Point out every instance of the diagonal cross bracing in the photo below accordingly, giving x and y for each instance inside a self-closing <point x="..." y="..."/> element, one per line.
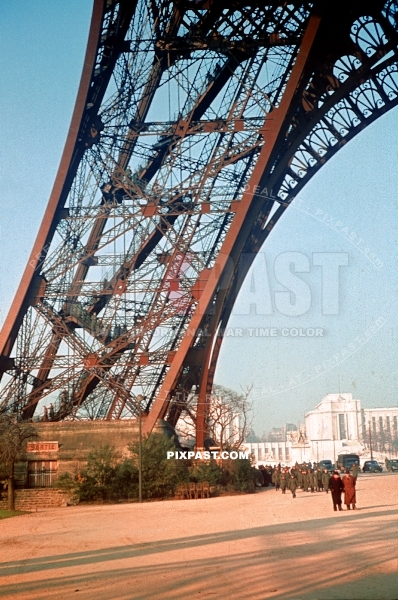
<point x="182" y="105"/>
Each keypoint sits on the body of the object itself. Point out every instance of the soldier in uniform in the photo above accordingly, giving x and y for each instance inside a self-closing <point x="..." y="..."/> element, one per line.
<point x="315" y="480"/>
<point x="355" y="470"/>
<point x="310" y="479"/>
<point x="325" y="480"/>
<point x="267" y="476"/>
<point x="300" y="478"/>
<point x="319" y="486"/>
<point x="283" y="481"/>
<point x="304" y="481"/>
<point x="292" y="484"/>
<point x="276" y="478"/>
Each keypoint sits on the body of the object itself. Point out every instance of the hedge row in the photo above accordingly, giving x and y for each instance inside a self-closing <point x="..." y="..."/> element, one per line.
<point x="106" y="477"/>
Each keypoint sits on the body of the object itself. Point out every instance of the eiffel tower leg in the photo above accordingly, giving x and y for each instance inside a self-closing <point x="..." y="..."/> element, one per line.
<point x="271" y="129"/>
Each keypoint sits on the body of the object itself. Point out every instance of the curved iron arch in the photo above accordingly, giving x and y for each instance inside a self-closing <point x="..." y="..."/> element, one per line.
<point x="89" y="340"/>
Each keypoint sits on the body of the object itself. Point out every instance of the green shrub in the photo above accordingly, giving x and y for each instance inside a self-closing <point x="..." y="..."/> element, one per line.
<point x="66" y="482"/>
<point x="241" y="475"/>
<point x="106" y="477"/>
<point x="160" y="476"/>
<point x="125" y="484"/>
<point x="97" y="480"/>
<point x="211" y="472"/>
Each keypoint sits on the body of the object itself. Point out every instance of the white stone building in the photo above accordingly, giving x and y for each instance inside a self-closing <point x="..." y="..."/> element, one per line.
<point x="273" y="453"/>
<point x="380" y="420"/>
<point x="337" y="425"/>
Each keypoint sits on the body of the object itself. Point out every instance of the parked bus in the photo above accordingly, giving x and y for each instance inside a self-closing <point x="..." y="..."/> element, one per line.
<point x="346" y="461"/>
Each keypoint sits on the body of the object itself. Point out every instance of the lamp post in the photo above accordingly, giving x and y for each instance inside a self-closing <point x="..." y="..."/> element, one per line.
<point x="139" y="399"/>
<point x="370" y="442"/>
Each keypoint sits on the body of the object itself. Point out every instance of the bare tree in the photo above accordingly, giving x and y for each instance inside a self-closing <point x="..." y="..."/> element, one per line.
<point x="14" y="435"/>
<point x="229" y="419"/>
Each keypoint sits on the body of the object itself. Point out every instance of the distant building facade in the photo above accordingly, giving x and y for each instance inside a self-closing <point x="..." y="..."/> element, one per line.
<point x="337" y="425"/>
<point x="295" y="447"/>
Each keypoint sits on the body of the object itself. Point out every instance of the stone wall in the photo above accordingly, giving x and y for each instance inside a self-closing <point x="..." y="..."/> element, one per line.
<point x="36" y="499"/>
<point x="76" y="439"/>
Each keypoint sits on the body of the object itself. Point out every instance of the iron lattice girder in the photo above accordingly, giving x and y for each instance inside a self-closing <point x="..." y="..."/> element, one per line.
<point x="155" y="199"/>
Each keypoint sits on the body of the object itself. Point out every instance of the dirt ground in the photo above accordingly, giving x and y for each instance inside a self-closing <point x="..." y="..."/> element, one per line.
<point x="254" y="547"/>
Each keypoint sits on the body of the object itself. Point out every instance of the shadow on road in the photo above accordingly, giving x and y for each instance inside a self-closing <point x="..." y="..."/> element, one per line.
<point x="289" y="553"/>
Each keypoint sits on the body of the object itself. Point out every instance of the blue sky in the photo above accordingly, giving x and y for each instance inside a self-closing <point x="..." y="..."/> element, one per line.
<point x="42" y="47"/>
<point x="357" y="349"/>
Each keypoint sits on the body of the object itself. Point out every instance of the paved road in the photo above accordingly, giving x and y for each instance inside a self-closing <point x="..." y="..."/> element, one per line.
<point x="254" y="547"/>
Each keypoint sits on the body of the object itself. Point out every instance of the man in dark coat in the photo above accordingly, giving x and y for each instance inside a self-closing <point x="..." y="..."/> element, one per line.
<point x="336" y="487"/>
<point x="349" y="482"/>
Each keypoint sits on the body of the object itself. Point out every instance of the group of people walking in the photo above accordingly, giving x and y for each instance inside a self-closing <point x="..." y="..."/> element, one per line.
<point x="338" y="485"/>
<point x="315" y="479"/>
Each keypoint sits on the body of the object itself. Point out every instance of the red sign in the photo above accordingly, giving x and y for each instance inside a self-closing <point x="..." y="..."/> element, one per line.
<point x="42" y="447"/>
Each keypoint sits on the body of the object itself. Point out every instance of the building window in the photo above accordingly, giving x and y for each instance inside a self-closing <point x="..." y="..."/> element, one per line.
<point x="42" y="473"/>
<point x="280" y="454"/>
<point x="388" y="428"/>
<point x="342" y="430"/>
<point x="260" y="454"/>
<point x="381" y="424"/>
<point x="287" y="453"/>
<point x="374" y="424"/>
<point x="395" y="424"/>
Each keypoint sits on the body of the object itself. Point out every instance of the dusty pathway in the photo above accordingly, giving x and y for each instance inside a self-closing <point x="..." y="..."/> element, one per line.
<point x="251" y="547"/>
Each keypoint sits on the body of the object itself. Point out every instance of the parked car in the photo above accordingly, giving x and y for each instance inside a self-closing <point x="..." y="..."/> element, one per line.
<point x="393" y="466"/>
<point x="347" y="461"/>
<point x="372" y="466"/>
<point x="326" y="464"/>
